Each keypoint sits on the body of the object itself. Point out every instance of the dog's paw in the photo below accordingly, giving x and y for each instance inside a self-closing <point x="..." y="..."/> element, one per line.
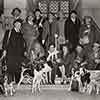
<point x="69" y="89"/>
<point x="33" y="91"/>
<point x="97" y="93"/>
<point x="5" y="94"/>
<point x="11" y="94"/>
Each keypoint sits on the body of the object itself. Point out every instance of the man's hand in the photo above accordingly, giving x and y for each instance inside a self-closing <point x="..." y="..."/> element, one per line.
<point x="43" y="41"/>
<point x="25" y="53"/>
<point x="67" y="41"/>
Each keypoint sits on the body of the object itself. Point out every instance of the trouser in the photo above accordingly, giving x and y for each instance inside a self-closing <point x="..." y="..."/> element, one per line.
<point x="17" y="77"/>
<point x="53" y="73"/>
<point x="13" y="74"/>
<point x="13" y="77"/>
<point x="73" y="45"/>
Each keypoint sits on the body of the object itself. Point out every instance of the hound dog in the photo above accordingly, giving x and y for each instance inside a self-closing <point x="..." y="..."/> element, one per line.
<point x="34" y="71"/>
<point x="80" y="80"/>
<point x="94" y="86"/>
<point x="75" y="82"/>
<point x="38" y="77"/>
<point x="39" y="72"/>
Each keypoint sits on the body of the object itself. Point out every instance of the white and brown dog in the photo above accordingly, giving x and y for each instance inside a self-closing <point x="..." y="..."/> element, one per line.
<point x="38" y="76"/>
<point x="35" y="76"/>
<point x="39" y="73"/>
<point x="94" y="87"/>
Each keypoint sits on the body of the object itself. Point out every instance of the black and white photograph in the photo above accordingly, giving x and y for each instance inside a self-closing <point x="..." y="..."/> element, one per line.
<point x="49" y="49"/>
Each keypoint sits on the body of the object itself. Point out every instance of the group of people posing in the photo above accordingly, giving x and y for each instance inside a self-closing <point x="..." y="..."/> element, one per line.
<point x="64" y="43"/>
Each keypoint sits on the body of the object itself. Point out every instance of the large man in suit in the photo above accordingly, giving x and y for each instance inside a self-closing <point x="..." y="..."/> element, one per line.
<point x="14" y="46"/>
<point x="72" y="27"/>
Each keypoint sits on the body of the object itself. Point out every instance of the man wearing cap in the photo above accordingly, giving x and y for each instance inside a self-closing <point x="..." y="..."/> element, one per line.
<point x="14" y="46"/>
<point x="16" y="12"/>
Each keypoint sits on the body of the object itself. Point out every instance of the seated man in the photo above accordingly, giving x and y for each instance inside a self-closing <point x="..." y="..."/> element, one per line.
<point x="53" y="61"/>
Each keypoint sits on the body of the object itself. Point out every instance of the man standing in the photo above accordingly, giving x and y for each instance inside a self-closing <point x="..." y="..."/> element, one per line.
<point x="14" y="47"/>
<point x="72" y="27"/>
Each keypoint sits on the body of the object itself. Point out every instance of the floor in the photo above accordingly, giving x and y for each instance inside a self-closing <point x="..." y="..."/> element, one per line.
<point x="49" y="94"/>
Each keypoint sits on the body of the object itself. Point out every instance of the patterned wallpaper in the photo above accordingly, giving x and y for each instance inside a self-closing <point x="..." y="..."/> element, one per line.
<point x="54" y="6"/>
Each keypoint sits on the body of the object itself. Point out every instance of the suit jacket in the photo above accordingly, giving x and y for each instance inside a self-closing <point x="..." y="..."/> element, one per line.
<point x="72" y="31"/>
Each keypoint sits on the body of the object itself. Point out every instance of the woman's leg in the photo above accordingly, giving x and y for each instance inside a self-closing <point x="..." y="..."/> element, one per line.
<point x="63" y="72"/>
<point x="62" y="69"/>
<point x="50" y="77"/>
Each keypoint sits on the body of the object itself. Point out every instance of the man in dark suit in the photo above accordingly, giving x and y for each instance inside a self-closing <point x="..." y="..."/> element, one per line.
<point x="14" y="46"/>
<point x="72" y="27"/>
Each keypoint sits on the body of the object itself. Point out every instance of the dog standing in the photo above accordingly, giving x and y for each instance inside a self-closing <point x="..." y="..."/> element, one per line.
<point x="38" y="77"/>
